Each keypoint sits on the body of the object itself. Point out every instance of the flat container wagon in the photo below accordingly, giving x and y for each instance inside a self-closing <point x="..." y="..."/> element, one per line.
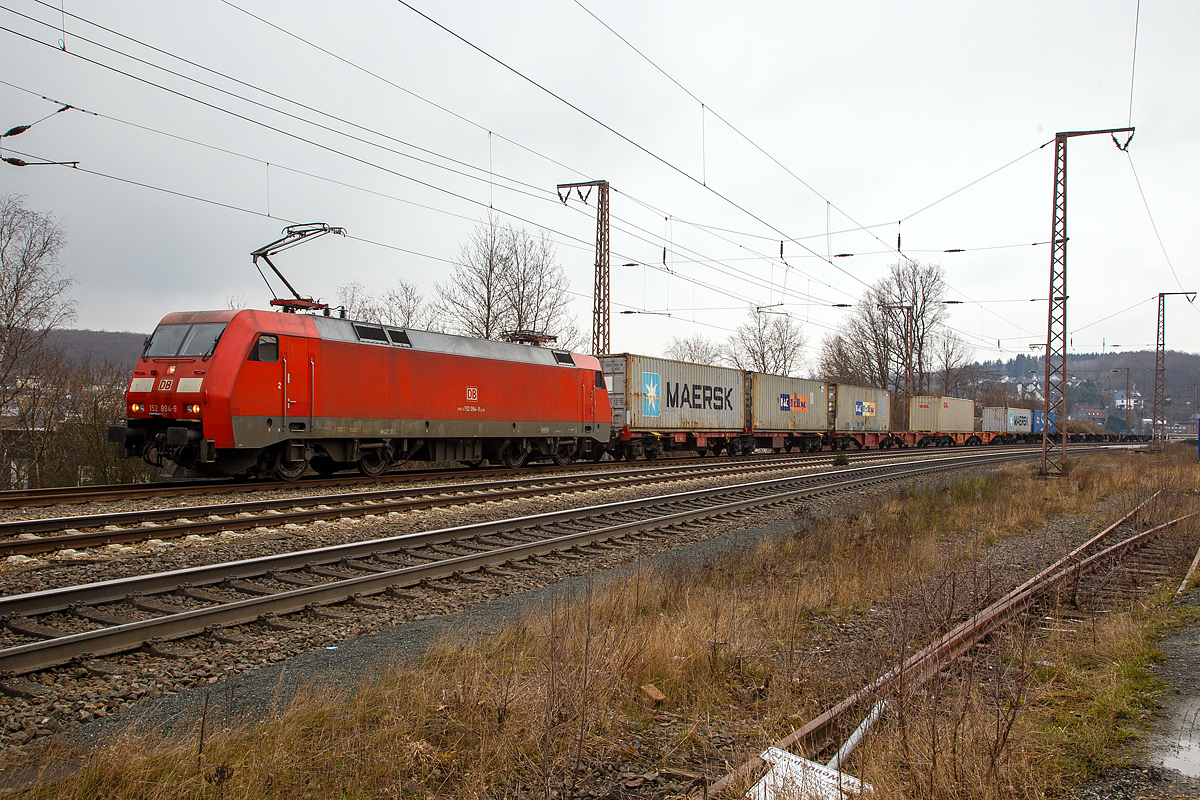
<point x="660" y="405"/>
<point x="787" y="413"/>
<point x="862" y="409"/>
<point x="1006" y="424"/>
<point x="937" y="420"/>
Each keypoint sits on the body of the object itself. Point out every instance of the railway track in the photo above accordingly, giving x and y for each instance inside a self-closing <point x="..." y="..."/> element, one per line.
<point x="76" y="495"/>
<point x="80" y="623"/>
<point x="32" y="537"/>
<point x="1104" y="572"/>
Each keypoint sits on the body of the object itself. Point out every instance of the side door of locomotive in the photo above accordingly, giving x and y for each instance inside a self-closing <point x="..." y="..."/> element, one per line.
<point x="299" y="378"/>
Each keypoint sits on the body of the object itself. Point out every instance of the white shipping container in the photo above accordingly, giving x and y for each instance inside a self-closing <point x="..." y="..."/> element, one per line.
<point x="941" y="414"/>
<point x="1020" y="420"/>
<point x="655" y="394"/>
<point x="1001" y="419"/>
<point x="861" y="408"/>
<point x="788" y="404"/>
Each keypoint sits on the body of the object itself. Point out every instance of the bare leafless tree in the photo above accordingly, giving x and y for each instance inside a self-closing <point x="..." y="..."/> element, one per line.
<point x="771" y="343"/>
<point x="507" y="279"/>
<point x="473" y="301"/>
<point x="953" y="359"/>
<point x="33" y="290"/>
<point x="698" y="349"/>
<point x="33" y="301"/>
<point x="358" y="303"/>
<point x="893" y="329"/>
<point x="405" y="307"/>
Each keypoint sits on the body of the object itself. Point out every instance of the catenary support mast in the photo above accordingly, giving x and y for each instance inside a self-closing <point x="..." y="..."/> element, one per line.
<point x="601" y="306"/>
<point x="1158" y="422"/>
<point x="1054" y="443"/>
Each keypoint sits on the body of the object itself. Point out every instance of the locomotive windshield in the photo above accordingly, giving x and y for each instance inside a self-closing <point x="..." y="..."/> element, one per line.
<point x="184" y="339"/>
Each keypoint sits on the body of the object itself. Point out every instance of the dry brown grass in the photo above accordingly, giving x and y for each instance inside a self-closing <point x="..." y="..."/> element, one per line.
<point x="749" y="643"/>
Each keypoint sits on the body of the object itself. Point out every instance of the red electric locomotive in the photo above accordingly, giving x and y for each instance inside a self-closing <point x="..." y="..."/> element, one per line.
<point x="269" y="394"/>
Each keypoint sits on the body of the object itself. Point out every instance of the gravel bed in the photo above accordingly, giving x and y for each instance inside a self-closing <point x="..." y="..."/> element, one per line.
<point x="68" y="568"/>
<point x="254" y="677"/>
<point x="76" y="694"/>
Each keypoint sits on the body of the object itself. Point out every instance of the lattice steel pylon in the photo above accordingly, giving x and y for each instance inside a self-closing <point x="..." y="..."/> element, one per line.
<point x="1054" y="443"/>
<point x="601" y="304"/>
<point x="1158" y="422"/>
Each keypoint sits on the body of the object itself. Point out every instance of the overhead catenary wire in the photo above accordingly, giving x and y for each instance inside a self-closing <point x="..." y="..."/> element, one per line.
<point x="579" y="240"/>
<point x="538" y="192"/>
<point x="642" y="148"/>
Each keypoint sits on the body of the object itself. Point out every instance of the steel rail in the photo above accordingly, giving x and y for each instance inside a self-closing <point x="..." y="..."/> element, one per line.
<point x="934" y="657"/>
<point x="19" y="498"/>
<point x="118" y="588"/>
<point x="232" y="516"/>
<point x="41" y="655"/>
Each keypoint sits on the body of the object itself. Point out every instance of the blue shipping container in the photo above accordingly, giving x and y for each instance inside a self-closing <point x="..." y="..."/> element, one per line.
<point x="1038" y="417"/>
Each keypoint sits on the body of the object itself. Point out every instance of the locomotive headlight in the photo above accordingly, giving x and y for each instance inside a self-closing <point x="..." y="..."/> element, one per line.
<point x="194" y="408"/>
<point x="135" y="408"/>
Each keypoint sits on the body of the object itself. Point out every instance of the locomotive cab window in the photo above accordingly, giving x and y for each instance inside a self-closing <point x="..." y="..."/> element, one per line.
<point x="265" y="349"/>
<point x="600" y="380"/>
<point x="371" y="333"/>
<point x="183" y="339"/>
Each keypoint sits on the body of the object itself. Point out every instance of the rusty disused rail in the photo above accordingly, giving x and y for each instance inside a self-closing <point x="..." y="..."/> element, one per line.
<point x="931" y="659"/>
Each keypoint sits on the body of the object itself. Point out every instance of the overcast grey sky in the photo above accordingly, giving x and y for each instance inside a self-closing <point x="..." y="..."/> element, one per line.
<point x="876" y="109"/>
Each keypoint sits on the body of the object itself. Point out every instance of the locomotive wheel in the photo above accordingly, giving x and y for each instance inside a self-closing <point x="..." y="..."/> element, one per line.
<point x="373" y="463"/>
<point x="290" y="470"/>
<point x="598" y="455"/>
<point x="514" y="456"/>
<point x="563" y="456"/>
<point x="474" y="463"/>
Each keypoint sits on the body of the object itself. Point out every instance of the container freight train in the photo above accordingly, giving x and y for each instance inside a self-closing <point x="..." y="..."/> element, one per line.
<point x="269" y="394"/>
<point x="264" y="394"/>
<point x="661" y="406"/>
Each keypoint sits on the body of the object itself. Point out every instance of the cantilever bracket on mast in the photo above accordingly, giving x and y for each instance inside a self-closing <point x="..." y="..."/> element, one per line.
<point x="292" y="236"/>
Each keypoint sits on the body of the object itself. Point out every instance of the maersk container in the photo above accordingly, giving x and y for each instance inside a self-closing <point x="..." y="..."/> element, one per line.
<point x="1038" y="415"/>
<point x="941" y="414"/>
<point x="861" y="408"/>
<point x="654" y="394"/>
<point x="788" y="404"/>
<point x="1001" y="419"/>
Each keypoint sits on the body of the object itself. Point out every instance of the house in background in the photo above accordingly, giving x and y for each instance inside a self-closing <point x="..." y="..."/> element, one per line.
<point x="1135" y="399"/>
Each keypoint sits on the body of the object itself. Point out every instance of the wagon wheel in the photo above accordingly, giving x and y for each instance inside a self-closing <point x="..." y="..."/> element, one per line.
<point x="374" y="463"/>
<point x="474" y="463"/>
<point x="630" y="454"/>
<point x="652" y="453"/>
<point x="563" y="455"/>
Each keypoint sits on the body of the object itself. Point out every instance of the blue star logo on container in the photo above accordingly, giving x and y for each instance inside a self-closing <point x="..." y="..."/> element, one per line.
<point x="651" y="394"/>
